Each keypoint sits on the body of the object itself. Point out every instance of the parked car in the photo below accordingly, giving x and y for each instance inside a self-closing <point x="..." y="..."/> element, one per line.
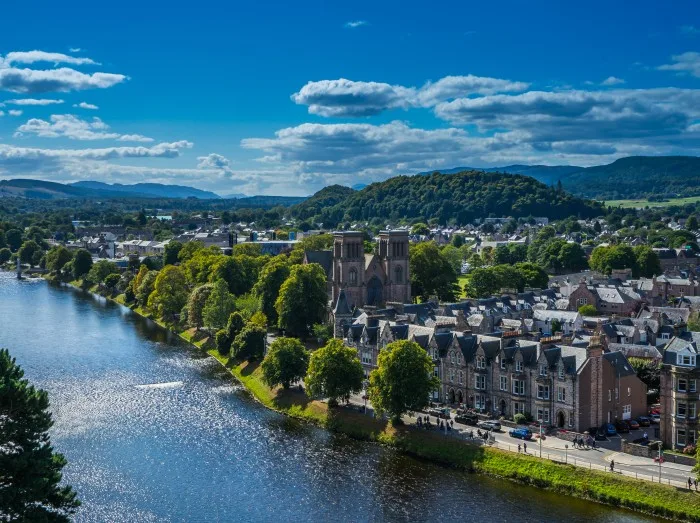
<point x="633" y="424"/>
<point x="655" y="418"/>
<point x="609" y="429"/>
<point x="622" y="426"/>
<point x="467" y="419"/>
<point x="440" y="413"/>
<point x="490" y="425"/>
<point x="643" y="421"/>
<point x="520" y="433"/>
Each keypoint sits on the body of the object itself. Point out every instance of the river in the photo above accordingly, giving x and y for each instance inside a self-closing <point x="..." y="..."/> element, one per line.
<point x="155" y="431"/>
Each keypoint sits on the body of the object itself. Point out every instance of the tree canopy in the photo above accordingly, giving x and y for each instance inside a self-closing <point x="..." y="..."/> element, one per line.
<point x="432" y="273"/>
<point x="335" y="372"/>
<point x="302" y="300"/>
<point x="286" y="362"/>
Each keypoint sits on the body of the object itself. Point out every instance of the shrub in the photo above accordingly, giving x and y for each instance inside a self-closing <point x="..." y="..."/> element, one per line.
<point x="223" y="343"/>
<point x="690" y="449"/>
<point x="520" y="418"/>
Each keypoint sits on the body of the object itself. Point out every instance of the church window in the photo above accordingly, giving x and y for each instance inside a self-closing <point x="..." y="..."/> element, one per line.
<point x="353" y="277"/>
<point x="398" y="274"/>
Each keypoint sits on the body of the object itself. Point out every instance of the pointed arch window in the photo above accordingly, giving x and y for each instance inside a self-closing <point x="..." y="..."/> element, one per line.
<point x="398" y="274"/>
<point x="353" y="277"/>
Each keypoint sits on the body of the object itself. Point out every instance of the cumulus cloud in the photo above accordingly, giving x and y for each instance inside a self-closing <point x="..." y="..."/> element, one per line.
<point x="14" y="112"/>
<point x="214" y="161"/>
<point x="64" y="79"/>
<point x="612" y="80"/>
<point x="684" y="63"/>
<point x="355" y="24"/>
<point x="34" y="101"/>
<point x="30" y="57"/>
<point x="85" y="105"/>
<point x="72" y="127"/>
<point x="344" y="97"/>
<point x="75" y="49"/>
<point x="12" y="155"/>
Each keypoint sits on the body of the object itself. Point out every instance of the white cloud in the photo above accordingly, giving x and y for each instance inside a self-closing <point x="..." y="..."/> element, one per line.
<point x="34" y="101"/>
<point x="355" y="24"/>
<point x="344" y="97"/>
<point x="689" y="30"/>
<point x="213" y="161"/>
<point x="684" y="63"/>
<point x="64" y="79"/>
<point x="30" y="57"/>
<point x="72" y="127"/>
<point x="75" y="49"/>
<point x="612" y="80"/>
<point x="2" y="113"/>
<point x="15" y="112"/>
<point x="85" y="105"/>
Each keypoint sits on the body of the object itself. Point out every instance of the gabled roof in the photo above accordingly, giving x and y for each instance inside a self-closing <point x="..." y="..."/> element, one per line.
<point x="323" y="258"/>
<point x="341" y="306"/>
<point x="631" y="350"/>
<point x="620" y="364"/>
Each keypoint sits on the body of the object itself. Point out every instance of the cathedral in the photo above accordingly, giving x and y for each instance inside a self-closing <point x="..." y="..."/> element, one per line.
<point x="367" y="279"/>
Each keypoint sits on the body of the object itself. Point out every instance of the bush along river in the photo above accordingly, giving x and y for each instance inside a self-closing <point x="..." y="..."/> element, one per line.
<point x="154" y="430"/>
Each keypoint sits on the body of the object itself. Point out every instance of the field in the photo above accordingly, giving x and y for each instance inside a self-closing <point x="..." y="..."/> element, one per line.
<point x="641" y="203"/>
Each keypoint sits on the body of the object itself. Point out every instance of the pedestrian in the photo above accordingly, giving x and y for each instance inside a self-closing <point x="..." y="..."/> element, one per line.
<point x="518" y="448"/>
<point x="525" y="447"/>
<point x="646" y="436"/>
<point x="573" y="443"/>
<point x="690" y="483"/>
<point x="612" y="465"/>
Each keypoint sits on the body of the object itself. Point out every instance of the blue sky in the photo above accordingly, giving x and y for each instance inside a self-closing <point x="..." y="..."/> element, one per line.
<point x="285" y="98"/>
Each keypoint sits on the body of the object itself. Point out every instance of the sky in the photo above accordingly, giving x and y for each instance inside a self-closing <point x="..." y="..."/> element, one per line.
<point x="288" y="97"/>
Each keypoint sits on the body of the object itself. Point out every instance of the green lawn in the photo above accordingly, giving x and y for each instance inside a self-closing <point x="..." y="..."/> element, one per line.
<point x="641" y="203"/>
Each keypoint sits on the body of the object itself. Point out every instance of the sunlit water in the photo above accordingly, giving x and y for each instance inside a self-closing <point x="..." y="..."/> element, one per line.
<point x="154" y="431"/>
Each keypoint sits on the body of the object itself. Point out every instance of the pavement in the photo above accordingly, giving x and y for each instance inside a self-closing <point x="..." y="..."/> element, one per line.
<point x="555" y="449"/>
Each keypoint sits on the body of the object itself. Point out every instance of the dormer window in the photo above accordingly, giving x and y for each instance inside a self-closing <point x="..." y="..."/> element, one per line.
<point x="543" y="370"/>
<point x="480" y="362"/>
<point x="518" y="366"/>
<point x="561" y="372"/>
<point x="503" y="364"/>
<point x="686" y="360"/>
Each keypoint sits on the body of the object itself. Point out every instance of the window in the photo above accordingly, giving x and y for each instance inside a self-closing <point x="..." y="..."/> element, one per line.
<point x="480" y="362"/>
<point x="353" y="277"/>
<point x="571" y="419"/>
<point x="452" y="375"/>
<point x="543" y="392"/>
<point x="518" y="408"/>
<point x="504" y="383"/>
<point x="692" y="386"/>
<point x="461" y="377"/>
<point x="543" y="415"/>
<point x="682" y="385"/>
<point x="543" y="370"/>
<point x="518" y="366"/>
<point x="617" y="393"/>
<point x="481" y="382"/>
<point x="681" y="410"/>
<point x="692" y="410"/>
<point x="367" y="357"/>
<point x="480" y="401"/>
<point x="503" y="364"/>
<point x="519" y="387"/>
<point x="452" y="357"/>
<point x="626" y="411"/>
<point x="687" y="360"/>
<point x="561" y="372"/>
<point x="436" y="372"/>
<point x="664" y="335"/>
<point x="609" y="395"/>
<point x="629" y="392"/>
<point x="561" y="394"/>
<point x="582" y="301"/>
<point x="680" y="437"/>
<point x="398" y="274"/>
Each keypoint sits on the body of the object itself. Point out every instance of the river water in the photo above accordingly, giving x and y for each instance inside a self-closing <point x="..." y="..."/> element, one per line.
<point x="154" y="431"/>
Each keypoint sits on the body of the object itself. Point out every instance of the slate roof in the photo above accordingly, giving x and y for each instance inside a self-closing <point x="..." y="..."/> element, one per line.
<point x="573" y="357"/>
<point x="631" y="350"/>
<point x="341" y="306"/>
<point x="620" y="364"/>
<point x="323" y="258"/>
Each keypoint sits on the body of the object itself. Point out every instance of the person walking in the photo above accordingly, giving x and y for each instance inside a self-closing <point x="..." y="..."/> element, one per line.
<point x="518" y="448"/>
<point x="612" y="465"/>
<point x="690" y="483"/>
<point x="525" y="447"/>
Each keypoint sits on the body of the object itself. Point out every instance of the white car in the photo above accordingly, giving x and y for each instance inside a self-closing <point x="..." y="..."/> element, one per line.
<point x="655" y="418"/>
<point x="490" y="425"/>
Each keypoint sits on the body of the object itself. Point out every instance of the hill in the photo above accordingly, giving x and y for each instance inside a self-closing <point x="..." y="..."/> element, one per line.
<point x="325" y="198"/>
<point x="155" y="190"/>
<point x="39" y="189"/>
<point x="546" y="174"/>
<point x="454" y="198"/>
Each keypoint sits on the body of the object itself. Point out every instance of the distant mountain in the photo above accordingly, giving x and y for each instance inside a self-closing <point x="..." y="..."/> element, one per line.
<point x="150" y="190"/>
<point x="234" y="195"/>
<point x="631" y="177"/>
<point x="358" y="186"/>
<point x="448" y="198"/>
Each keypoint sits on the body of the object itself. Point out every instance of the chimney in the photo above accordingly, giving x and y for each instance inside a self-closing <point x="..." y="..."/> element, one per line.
<point x="595" y="347"/>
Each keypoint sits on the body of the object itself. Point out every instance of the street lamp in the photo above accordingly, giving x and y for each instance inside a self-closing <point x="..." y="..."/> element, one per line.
<point x="566" y="454"/>
<point x="540" y="438"/>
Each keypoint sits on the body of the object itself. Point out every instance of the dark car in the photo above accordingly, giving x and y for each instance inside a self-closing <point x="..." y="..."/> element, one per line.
<point x="609" y="429"/>
<point x="520" y="433"/>
<point x="490" y="425"/>
<point x="644" y="421"/>
<point x="440" y="413"/>
<point x="467" y="419"/>
<point x="633" y="424"/>
<point x="622" y="426"/>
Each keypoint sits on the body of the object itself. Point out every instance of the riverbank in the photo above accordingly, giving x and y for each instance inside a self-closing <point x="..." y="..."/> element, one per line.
<point x="602" y="487"/>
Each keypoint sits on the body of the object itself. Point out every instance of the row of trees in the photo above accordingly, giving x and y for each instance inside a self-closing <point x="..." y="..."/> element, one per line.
<point x="487" y="281"/>
<point x="641" y="259"/>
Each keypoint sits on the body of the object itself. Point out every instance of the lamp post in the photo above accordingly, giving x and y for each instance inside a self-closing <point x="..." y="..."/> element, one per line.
<point x="540" y="438"/>
<point x="566" y="454"/>
<point x="660" y="458"/>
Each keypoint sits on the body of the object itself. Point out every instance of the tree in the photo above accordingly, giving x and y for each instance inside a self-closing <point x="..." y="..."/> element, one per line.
<point x="692" y="223"/>
<point x="26" y="252"/>
<point x="286" y="362"/>
<point x="218" y="307"/>
<point x="223" y="343"/>
<point x="533" y="275"/>
<point x="420" y="229"/>
<point x="13" y="237"/>
<point x="146" y="287"/>
<point x="481" y="283"/>
<point x="138" y="279"/>
<point x="30" y="471"/>
<point x="5" y="255"/>
<point x="82" y="263"/>
<point x="57" y="257"/>
<point x="457" y="240"/>
<point x="169" y="292"/>
<point x="247" y="305"/>
<point x="100" y="270"/>
<point x="189" y="249"/>
<point x="111" y="281"/>
<point x="431" y="273"/>
<point x="171" y="252"/>
<point x="234" y="326"/>
<point x="647" y="264"/>
<point x="195" y="305"/>
<point x="249" y="344"/>
<point x="403" y="379"/>
<point x="587" y="310"/>
<point x="572" y="257"/>
<point x="650" y="373"/>
<point x="267" y="288"/>
<point x="259" y="319"/>
<point x="454" y="256"/>
<point x="556" y="326"/>
<point x="302" y="299"/>
<point x="335" y="372"/>
<point x="249" y="249"/>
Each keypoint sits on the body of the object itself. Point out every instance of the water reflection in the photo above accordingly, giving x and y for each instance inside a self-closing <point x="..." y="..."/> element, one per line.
<point x="203" y="450"/>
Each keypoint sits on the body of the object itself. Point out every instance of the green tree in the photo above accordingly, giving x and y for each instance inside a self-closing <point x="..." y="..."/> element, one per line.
<point x="189" y="249"/>
<point x="195" y="305"/>
<point x="556" y="326"/>
<point x="302" y="299"/>
<point x="111" y="281"/>
<point x="335" y="372"/>
<point x="219" y="306"/>
<point x="5" y="255"/>
<point x="649" y="372"/>
<point x="171" y="252"/>
<point x="692" y="223"/>
<point x="533" y="275"/>
<point x="234" y="326"/>
<point x="403" y="379"/>
<point x="267" y="288"/>
<point x="572" y="257"/>
<point x="587" y="310"/>
<point x="454" y="256"/>
<point x="136" y="282"/>
<point x="457" y="240"/>
<point x="169" y="292"/>
<point x="146" y="287"/>
<point x="30" y="470"/>
<point x="27" y="250"/>
<point x="421" y="229"/>
<point x="57" y="257"/>
<point x="249" y="249"/>
<point x="223" y="343"/>
<point x="249" y="344"/>
<point x="647" y="264"/>
<point x="431" y="273"/>
<point x="82" y="263"/>
<point x="285" y="363"/>
<point x="13" y="237"/>
<point x="247" y="305"/>
<point x="481" y="283"/>
<point x="100" y="270"/>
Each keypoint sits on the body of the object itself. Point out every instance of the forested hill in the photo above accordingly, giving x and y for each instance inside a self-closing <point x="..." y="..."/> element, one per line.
<point x="455" y="198"/>
<point x="326" y="197"/>
<point x="638" y="177"/>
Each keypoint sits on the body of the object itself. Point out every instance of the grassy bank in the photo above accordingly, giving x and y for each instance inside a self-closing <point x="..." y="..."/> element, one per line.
<point x="612" y="489"/>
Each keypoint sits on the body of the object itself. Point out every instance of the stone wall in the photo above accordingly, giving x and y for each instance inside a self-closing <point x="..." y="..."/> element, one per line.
<point x="645" y="451"/>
